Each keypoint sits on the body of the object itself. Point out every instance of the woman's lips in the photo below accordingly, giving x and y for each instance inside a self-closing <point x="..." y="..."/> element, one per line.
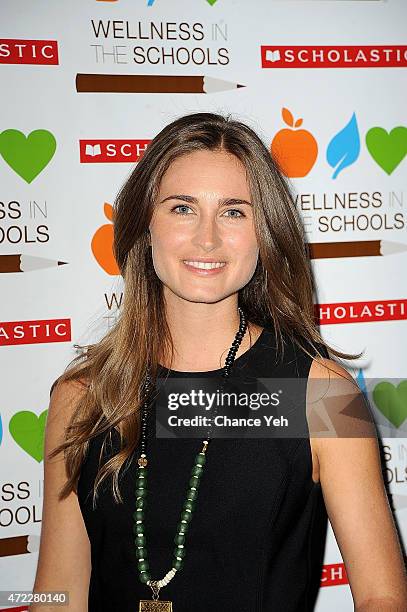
<point x="203" y="271"/>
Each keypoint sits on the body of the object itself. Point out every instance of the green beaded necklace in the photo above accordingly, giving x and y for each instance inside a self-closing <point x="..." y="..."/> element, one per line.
<point x="189" y="505"/>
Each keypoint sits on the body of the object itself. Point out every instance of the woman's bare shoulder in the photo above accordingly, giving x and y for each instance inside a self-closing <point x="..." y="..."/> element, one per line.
<point x="64" y="397"/>
<point x="67" y="388"/>
<point x="326" y="367"/>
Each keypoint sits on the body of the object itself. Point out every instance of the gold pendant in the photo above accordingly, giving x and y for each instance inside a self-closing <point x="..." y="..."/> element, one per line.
<point x="154" y="605"/>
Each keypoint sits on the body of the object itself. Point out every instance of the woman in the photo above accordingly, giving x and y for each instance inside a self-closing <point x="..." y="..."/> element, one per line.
<point x="208" y="242"/>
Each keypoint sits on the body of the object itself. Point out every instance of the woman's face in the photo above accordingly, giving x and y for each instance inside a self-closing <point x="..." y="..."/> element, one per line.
<point x="192" y="224"/>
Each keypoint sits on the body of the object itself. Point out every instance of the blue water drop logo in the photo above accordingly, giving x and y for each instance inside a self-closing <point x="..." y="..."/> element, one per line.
<point x="360" y="379"/>
<point x="344" y="148"/>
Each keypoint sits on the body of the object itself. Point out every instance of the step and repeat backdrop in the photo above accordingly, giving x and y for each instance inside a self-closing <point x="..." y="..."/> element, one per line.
<point x="86" y="85"/>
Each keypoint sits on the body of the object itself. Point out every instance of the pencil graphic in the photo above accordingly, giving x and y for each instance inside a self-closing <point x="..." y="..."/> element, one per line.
<point x="26" y="263"/>
<point x="19" y="545"/>
<point x="361" y="248"/>
<point x="151" y="83"/>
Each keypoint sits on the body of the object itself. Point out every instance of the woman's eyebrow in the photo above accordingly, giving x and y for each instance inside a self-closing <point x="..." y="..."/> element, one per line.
<point x="193" y="200"/>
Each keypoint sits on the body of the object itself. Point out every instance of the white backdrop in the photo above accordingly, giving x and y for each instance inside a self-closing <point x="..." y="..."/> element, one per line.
<point x="67" y="143"/>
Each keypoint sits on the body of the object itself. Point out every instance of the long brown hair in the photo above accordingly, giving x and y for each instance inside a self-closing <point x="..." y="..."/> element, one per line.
<point x="280" y="292"/>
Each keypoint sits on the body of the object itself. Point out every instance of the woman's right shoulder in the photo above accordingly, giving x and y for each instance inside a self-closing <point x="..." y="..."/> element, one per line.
<point x="70" y="387"/>
<point x="64" y="397"/>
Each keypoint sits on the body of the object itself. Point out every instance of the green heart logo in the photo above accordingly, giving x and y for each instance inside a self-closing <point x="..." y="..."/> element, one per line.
<point x="28" y="431"/>
<point x="392" y="401"/>
<point x="387" y="149"/>
<point x="27" y="155"/>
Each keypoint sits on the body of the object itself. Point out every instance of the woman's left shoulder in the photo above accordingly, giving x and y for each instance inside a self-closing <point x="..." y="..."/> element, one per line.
<point x="326" y="367"/>
<point x="333" y="396"/>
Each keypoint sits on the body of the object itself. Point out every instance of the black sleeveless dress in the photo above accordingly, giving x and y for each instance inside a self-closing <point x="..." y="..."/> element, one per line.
<point x="257" y="536"/>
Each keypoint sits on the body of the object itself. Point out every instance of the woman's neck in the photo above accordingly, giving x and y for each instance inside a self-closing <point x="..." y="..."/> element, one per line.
<point x="207" y="351"/>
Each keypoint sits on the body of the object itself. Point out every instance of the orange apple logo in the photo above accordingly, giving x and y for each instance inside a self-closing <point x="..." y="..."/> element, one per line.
<point x="295" y="150"/>
<point x="102" y="244"/>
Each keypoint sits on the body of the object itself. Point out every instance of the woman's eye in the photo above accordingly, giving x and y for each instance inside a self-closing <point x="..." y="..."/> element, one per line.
<point x="179" y="206"/>
<point x="234" y="210"/>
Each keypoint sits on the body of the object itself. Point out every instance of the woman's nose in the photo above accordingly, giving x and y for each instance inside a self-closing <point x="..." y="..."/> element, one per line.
<point x="207" y="233"/>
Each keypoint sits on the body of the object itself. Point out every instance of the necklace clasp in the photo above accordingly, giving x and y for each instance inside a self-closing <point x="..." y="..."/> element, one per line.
<point x="155" y="588"/>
